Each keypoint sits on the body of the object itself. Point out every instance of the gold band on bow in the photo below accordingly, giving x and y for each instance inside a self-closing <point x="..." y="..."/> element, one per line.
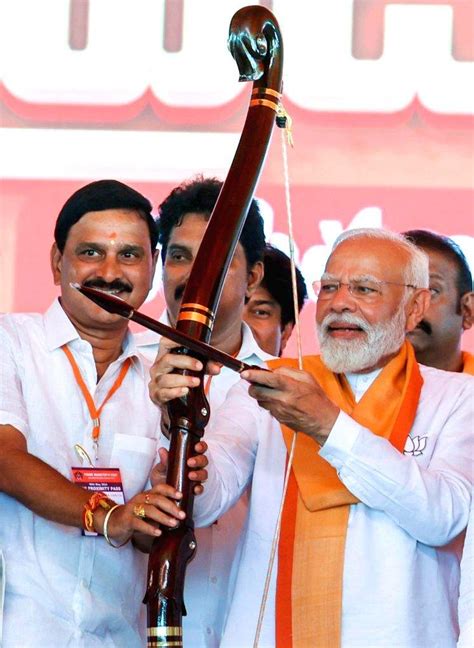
<point x="265" y="102"/>
<point x="268" y="91"/>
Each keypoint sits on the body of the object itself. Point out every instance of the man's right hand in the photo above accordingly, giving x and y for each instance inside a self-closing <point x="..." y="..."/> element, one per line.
<point x="165" y="384"/>
<point x="142" y="514"/>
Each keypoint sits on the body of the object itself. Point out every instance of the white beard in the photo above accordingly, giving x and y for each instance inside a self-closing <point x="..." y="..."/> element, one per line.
<point x="353" y="356"/>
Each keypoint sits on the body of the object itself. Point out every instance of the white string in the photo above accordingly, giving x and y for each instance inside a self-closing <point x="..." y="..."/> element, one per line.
<point x="291" y="241"/>
<point x="276" y="535"/>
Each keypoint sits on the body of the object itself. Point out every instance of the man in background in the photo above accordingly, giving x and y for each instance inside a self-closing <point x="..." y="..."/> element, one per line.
<point x="437" y="338"/>
<point x="270" y="310"/>
<point x="183" y="218"/>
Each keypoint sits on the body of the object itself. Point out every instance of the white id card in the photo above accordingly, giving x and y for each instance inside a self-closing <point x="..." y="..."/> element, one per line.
<point x="106" y="480"/>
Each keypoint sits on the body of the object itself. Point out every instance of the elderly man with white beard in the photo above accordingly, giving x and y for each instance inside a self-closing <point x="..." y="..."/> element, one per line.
<point x="380" y="485"/>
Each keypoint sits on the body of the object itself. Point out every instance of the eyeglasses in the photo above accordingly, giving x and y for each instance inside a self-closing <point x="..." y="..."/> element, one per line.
<point x="366" y="291"/>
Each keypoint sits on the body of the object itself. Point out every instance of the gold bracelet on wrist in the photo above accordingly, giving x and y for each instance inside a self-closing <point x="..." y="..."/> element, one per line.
<point x="105" y="529"/>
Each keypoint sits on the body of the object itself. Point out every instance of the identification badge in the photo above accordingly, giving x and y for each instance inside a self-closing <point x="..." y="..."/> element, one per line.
<point x="106" y="480"/>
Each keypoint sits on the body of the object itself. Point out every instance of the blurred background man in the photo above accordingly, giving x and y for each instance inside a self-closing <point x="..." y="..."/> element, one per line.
<point x="270" y="312"/>
<point x="437" y="338"/>
<point x="183" y="218"/>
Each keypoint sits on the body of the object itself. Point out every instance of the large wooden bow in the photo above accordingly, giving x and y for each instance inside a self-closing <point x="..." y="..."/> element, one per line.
<point x="256" y="45"/>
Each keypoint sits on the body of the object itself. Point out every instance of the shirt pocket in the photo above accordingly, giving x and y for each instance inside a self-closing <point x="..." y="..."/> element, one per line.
<point x="135" y="457"/>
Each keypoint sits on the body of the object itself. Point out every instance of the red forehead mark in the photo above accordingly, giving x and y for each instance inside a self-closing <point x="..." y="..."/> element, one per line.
<point x="112" y="237"/>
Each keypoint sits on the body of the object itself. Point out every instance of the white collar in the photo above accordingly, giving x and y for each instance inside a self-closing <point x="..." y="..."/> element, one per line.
<point x="360" y="382"/>
<point x="248" y="348"/>
<point x="59" y="330"/>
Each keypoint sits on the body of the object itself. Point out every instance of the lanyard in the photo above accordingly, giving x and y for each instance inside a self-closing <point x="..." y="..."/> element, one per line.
<point x="93" y="411"/>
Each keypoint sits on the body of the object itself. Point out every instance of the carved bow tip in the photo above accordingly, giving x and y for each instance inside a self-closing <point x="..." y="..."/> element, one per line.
<point x="253" y="35"/>
<point x="244" y="50"/>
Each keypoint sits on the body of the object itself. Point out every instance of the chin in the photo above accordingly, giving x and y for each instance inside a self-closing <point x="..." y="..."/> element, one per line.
<point x="347" y="362"/>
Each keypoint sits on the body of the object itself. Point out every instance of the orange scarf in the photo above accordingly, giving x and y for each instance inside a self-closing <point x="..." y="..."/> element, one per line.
<point x="468" y="363"/>
<point x="316" y="510"/>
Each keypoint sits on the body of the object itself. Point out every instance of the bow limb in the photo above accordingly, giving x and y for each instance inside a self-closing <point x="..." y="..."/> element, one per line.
<point x="256" y="45"/>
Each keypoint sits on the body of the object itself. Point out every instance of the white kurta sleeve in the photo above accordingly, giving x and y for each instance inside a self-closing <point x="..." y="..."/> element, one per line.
<point x="427" y="495"/>
<point x="466" y="593"/>
<point x="12" y="406"/>
<point x="232" y="449"/>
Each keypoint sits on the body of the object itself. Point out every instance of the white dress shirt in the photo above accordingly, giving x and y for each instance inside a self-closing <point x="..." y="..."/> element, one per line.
<point x="401" y="570"/>
<point x="466" y="593"/>
<point x="208" y="577"/>
<point x="62" y="588"/>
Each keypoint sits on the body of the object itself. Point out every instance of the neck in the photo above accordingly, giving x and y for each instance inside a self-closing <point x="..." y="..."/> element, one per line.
<point x="106" y="344"/>
<point x="447" y="362"/>
<point x="228" y="341"/>
<point x="379" y="365"/>
<point x="227" y="338"/>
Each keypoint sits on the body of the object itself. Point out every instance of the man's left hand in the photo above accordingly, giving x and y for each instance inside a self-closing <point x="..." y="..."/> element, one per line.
<point x="197" y="463"/>
<point x="295" y="399"/>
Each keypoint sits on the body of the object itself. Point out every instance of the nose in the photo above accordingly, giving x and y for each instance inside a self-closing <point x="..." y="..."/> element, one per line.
<point x="109" y="268"/>
<point x="343" y="300"/>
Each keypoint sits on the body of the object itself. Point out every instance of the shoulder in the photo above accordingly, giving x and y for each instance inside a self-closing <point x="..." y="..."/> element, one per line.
<point x="450" y="379"/>
<point x="446" y="386"/>
<point x="15" y="325"/>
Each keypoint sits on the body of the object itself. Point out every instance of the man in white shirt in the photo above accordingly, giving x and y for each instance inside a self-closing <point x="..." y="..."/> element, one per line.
<point x="74" y="394"/>
<point x="183" y="217"/>
<point x="381" y="482"/>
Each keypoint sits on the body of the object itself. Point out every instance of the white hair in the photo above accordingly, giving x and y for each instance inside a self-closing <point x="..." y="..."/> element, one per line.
<point x="416" y="272"/>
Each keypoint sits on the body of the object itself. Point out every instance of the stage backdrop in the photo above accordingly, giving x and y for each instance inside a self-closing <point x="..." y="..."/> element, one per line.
<point x="145" y="91"/>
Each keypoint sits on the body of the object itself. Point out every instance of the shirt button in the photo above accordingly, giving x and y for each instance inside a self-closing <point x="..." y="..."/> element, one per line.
<point x="209" y="631"/>
<point x="214" y="579"/>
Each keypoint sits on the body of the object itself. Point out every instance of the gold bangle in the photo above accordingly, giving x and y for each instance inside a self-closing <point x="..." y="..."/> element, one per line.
<point x="106" y="523"/>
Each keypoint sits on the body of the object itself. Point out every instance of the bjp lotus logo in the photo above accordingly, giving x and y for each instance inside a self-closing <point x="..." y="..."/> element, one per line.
<point x="415" y="445"/>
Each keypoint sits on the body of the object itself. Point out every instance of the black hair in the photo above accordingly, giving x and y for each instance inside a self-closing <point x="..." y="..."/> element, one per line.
<point x="199" y="196"/>
<point x="98" y="196"/>
<point x="450" y="249"/>
<point x="277" y="280"/>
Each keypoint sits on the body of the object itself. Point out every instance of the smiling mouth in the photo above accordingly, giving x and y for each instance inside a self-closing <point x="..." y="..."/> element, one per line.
<point x="107" y="291"/>
<point x="344" y="328"/>
<point x="115" y="288"/>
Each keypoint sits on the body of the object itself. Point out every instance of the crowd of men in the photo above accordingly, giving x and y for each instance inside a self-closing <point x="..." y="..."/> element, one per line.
<point x="370" y="551"/>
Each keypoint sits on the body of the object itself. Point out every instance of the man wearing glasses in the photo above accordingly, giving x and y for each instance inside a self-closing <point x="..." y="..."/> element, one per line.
<point x="379" y="489"/>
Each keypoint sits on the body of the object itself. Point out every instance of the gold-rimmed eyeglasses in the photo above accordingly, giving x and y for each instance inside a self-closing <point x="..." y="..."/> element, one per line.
<point x="362" y="290"/>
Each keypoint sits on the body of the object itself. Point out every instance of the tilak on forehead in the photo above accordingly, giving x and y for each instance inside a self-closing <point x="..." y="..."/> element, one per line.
<point x="112" y="237"/>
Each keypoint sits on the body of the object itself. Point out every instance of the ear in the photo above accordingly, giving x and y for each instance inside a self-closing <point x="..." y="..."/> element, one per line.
<point x="286" y="332"/>
<point x="254" y="277"/>
<point x="417" y="307"/>
<point x="56" y="261"/>
<point x="467" y="310"/>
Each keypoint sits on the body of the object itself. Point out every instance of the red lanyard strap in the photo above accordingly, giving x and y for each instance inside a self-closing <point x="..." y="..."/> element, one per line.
<point x="93" y="411"/>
